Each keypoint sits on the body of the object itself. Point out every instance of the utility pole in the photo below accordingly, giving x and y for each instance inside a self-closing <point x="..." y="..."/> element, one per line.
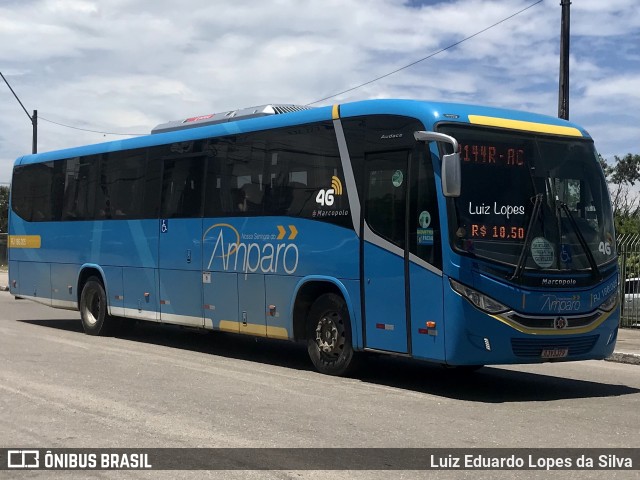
<point x="563" y="95"/>
<point x="33" y="118"/>
<point x="34" y="123"/>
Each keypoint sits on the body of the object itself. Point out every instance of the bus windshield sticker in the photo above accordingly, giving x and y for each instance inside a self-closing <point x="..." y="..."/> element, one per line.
<point x="397" y="178"/>
<point x="425" y="236"/>
<point x="542" y="252"/>
<point x="424" y="220"/>
<point x="565" y="254"/>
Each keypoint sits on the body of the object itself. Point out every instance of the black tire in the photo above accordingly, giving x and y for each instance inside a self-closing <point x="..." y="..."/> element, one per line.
<point x="93" y="308"/>
<point x="329" y="336"/>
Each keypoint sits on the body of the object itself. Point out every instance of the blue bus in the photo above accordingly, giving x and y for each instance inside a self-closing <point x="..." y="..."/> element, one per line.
<point x="449" y="233"/>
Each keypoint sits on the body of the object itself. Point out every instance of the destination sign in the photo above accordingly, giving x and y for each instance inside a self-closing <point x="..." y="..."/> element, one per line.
<point x="495" y="154"/>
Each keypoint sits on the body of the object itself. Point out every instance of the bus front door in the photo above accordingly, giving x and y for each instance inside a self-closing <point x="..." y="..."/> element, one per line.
<point x="385" y="279"/>
<point x="402" y="278"/>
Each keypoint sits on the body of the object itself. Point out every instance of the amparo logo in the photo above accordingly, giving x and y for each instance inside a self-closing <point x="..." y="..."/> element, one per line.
<point x="553" y="303"/>
<point x="236" y="252"/>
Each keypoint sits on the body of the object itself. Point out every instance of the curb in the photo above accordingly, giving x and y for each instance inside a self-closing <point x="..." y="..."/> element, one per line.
<point x="619" y="357"/>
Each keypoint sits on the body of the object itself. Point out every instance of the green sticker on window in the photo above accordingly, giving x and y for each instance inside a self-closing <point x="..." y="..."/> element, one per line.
<point x="425" y="236"/>
<point x="397" y="178"/>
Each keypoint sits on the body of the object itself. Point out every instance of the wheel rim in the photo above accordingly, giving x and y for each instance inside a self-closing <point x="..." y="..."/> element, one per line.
<point x="329" y="336"/>
<point x="92" y="309"/>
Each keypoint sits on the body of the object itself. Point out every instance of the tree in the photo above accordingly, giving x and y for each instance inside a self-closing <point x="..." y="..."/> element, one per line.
<point x="621" y="176"/>
<point x="4" y="208"/>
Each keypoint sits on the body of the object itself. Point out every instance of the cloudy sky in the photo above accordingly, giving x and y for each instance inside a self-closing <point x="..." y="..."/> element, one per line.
<point x="124" y="66"/>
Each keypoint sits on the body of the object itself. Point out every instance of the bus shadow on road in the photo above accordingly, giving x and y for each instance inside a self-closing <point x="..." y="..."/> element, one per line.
<point x="280" y="353"/>
<point x="70" y="325"/>
<point x="489" y="384"/>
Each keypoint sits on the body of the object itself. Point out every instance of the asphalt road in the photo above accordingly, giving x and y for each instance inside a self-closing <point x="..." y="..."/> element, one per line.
<point x="163" y="386"/>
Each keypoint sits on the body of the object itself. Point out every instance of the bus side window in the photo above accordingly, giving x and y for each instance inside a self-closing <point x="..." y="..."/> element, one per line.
<point x="385" y="201"/>
<point x="80" y="187"/>
<point x="424" y="219"/>
<point x="301" y="197"/>
<point x="37" y="191"/>
<point x="303" y="164"/>
<point x="215" y="151"/>
<point x="251" y="196"/>
<point x="121" y="185"/>
<point x="234" y="177"/>
<point x="182" y="188"/>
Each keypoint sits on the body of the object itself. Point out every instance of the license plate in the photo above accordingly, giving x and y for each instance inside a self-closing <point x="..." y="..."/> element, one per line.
<point x="555" y="352"/>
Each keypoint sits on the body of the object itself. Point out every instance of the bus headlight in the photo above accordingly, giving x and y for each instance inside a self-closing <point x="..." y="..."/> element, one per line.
<point x="484" y="303"/>
<point x="610" y="303"/>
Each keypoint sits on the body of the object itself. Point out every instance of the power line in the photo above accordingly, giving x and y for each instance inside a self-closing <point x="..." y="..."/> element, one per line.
<point x="33" y="118"/>
<point x="428" y="56"/>
<point x="15" y="95"/>
<point x="92" y="131"/>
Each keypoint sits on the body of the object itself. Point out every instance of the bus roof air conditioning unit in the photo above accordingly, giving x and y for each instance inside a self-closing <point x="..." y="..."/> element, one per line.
<point x="231" y="116"/>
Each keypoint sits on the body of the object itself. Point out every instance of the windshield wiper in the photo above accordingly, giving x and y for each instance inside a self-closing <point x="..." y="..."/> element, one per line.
<point x="527" y="239"/>
<point x="583" y="243"/>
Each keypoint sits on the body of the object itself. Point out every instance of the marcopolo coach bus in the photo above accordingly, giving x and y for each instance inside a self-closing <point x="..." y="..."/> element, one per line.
<point x="449" y="233"/>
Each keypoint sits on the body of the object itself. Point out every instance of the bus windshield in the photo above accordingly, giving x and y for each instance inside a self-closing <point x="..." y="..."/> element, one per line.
<point x="530" y="201"/>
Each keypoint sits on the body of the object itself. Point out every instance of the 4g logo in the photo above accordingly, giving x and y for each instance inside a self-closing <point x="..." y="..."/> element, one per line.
<point x="326" y="197"/>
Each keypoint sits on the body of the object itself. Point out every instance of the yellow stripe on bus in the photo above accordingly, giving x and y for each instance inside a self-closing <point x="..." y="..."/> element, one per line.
<point x="24" y="241"/>
<point x="540" y="331"/>
<point x="522" y="125"/>
<point x="253" y="329"/>
<point x="335" y="112"/>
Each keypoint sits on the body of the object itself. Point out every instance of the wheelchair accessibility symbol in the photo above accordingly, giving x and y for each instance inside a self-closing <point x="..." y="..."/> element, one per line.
<point x="565" y="254"/>
<point x="164" y="226"/>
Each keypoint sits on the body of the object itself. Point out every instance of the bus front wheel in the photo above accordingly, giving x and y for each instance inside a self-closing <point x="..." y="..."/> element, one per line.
<point x="93" y="307"/>
<point x="329" y="335"/>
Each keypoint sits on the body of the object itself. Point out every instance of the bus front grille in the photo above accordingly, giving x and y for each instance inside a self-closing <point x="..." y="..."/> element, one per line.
<point x="533" y="347"/>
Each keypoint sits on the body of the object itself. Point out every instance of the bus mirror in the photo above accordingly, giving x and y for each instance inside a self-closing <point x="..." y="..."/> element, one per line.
<point x="451" y="175"/>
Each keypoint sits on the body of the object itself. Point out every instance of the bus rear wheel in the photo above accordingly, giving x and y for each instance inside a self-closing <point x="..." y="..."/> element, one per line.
<point x="329" y="336"/>
<point x="93" y="308"/>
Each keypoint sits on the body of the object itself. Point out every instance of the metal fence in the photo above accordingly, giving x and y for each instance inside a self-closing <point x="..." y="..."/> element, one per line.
<point x="629" y="259"/>
<point x="3" y="250"/>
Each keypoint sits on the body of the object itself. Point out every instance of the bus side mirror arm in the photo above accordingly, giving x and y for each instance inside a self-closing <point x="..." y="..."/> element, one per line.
<point x="451" y="175"/>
